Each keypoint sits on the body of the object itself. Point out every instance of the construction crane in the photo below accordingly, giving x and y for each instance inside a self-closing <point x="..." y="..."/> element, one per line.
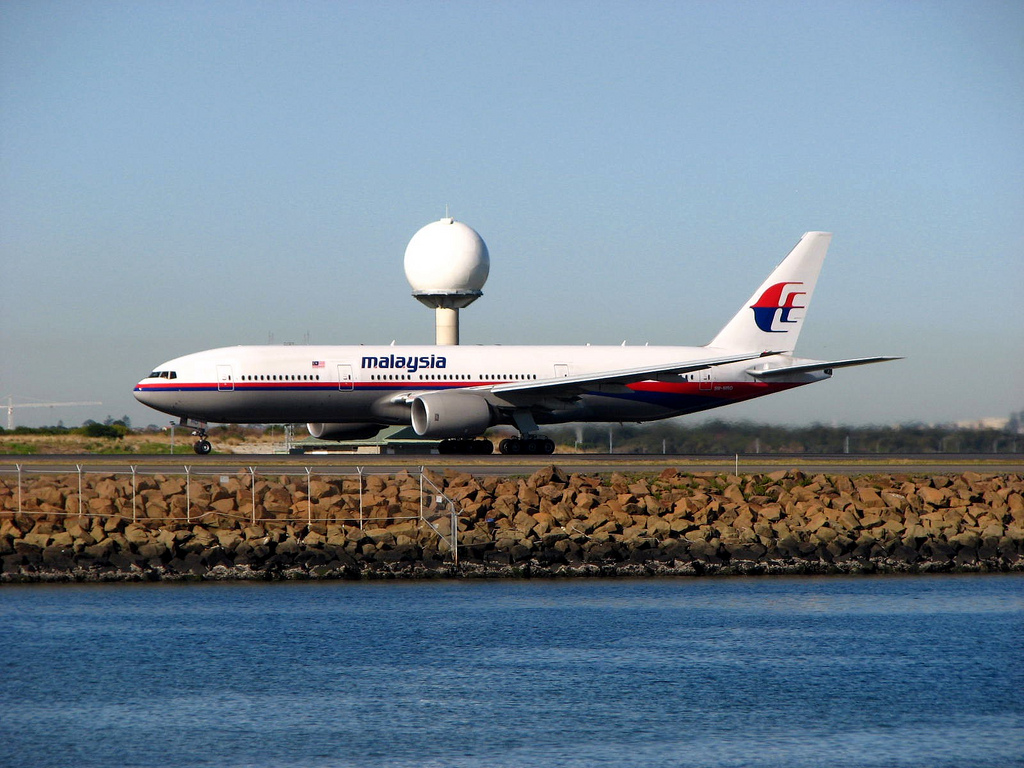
<point x="11" y="406"/>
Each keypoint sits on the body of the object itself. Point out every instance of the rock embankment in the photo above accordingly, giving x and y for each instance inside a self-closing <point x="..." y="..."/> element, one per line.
<point x="549" y="523"/>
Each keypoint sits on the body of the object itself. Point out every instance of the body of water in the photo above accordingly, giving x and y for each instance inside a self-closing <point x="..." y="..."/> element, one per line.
<point x="894" y="671"/>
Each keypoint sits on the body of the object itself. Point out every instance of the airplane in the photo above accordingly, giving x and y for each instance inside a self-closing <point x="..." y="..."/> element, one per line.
<point x="455" y="393"/>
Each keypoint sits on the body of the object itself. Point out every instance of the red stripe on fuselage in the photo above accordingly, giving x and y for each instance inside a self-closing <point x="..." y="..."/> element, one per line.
<point x="725" y="390"/>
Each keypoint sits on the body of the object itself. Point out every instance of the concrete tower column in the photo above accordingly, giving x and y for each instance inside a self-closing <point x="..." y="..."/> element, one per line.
<point x="446" y="326"/>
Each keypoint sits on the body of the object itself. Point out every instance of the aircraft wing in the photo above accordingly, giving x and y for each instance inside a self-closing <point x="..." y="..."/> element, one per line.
<point x="573" y="386"/>
<point x="817" y="365"/>
<point x="570" y="386"/>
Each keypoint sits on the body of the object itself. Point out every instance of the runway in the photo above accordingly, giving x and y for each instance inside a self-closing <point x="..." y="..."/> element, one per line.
<point x="846" y="464"/>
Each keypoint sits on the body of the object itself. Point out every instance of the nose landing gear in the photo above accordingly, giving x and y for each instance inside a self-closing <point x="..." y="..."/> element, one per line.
<point x="201" y="446"/>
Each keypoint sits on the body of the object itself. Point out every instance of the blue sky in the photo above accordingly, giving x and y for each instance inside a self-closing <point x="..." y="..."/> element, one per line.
<point x="185" y="175"/>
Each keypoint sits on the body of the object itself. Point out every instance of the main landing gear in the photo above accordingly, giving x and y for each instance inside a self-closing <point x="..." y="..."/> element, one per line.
<point x="532" y="445"/>
<point x="529" y="441"/>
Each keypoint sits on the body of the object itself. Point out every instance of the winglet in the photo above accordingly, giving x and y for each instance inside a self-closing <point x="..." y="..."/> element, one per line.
<point x="817" y="365"/>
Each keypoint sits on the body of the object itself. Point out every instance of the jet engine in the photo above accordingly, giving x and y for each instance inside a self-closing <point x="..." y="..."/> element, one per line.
<point x="328" y="431"/>
<point x="450" y="414"/>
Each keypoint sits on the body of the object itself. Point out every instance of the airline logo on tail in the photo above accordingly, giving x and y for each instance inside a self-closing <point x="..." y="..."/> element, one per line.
<point x="775" y="305"/>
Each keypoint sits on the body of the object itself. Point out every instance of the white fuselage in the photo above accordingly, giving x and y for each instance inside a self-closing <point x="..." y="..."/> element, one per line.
<point x="266" y="384"/>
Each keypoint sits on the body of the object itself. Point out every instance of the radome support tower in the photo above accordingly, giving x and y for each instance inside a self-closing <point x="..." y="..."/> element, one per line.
<point x="447" y="264"/>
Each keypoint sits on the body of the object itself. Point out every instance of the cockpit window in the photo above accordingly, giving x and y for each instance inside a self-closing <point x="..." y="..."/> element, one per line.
<point x="163" y="375"/>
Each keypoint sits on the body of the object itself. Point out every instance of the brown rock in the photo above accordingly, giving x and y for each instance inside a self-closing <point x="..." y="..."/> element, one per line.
<point x="547" y="475"/>
<point x="102" y="506"/>
<point x="154" y="551"/>
<point x="527" y="495"/>
<point x="49" y="495"/>
<point x="228" y="539"/>
<point x="551" y="491"/>
<point x="225" y="505"/>
<point x="639" y="488"/>
<point x="868" y="498"/>
<point x="932" y="496"/>
<point x="106" y="489"/>
<point x="524" y="522"/>
<point x="136" y="534"/>
<point x="824" y="535"/>
<point x="815" y="521"/>
<point x="734" y="494"/>
<point x="658" y="527"/>
<point x="39" y="540"/>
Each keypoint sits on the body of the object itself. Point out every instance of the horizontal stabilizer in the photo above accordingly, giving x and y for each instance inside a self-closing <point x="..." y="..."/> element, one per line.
<point x="817" y="365"/>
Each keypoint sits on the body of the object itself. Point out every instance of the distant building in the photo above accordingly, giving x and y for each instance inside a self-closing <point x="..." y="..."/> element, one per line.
<point x="990" y="423"/>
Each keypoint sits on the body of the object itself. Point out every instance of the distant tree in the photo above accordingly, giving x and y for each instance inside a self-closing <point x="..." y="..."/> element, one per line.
<point x="110" y="431"/>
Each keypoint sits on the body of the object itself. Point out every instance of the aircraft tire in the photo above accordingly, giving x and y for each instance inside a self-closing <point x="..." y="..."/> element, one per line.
<point x="202" y="447"/>
<point x="512" y="447"/>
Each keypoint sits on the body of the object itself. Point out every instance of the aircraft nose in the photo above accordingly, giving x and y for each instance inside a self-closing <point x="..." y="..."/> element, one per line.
<point x="140" y="394"/>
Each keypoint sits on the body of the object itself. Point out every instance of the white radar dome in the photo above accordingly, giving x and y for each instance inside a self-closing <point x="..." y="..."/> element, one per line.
<point x="447" y="258"/>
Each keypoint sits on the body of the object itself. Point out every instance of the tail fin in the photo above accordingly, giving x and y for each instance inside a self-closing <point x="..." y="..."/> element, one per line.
<point x="772" y="318"/>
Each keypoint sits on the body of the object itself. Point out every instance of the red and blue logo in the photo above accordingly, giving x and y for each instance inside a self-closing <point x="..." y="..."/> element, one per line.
<point x="775" y="305"/>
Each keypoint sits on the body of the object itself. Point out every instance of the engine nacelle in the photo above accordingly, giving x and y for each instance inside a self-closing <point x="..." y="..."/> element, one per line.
<point x="450" y="414"/>
<point x="328" y="431"/>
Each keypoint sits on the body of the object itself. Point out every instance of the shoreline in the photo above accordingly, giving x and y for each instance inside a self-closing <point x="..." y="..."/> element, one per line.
<point x="476" y="572"/>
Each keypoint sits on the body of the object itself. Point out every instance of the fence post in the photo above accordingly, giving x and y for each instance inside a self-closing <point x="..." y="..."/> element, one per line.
<point x="455" y="532"/>
<point x="309" y="500"/>
<point x="360" y="471"/>
<point x="79" y="468"/>
<point x="188" y="495"/>
<point x="19" y="487"/>
<point x="252" y="488"/>
<point x="134" y="493"/>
